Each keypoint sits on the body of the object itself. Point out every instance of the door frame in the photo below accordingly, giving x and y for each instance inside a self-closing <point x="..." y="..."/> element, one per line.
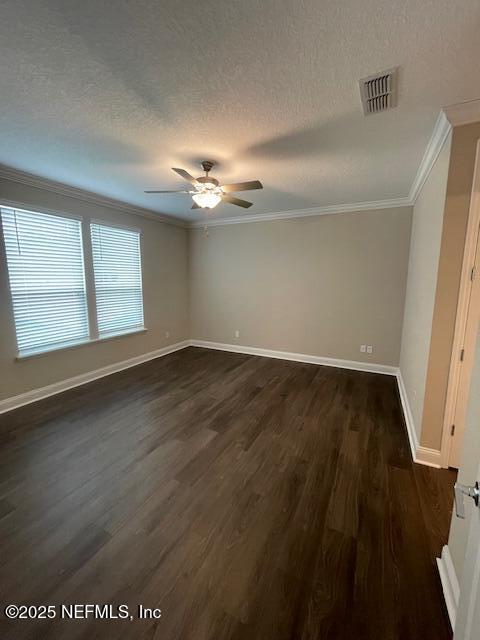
<point x="473" y="226"/>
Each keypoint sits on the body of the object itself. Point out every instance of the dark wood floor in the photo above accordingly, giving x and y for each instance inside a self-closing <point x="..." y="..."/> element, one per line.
<point x="248" y="498"/>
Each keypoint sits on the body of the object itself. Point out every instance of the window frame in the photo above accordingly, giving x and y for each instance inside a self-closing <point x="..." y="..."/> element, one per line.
<point x="126" y="331"/>
<point x="88" y="274"/>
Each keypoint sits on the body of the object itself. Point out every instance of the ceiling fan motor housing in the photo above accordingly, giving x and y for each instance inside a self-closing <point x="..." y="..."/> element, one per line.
<point x="207" y="191"/>
<point x="207" y="165"/>
<point x="208" y="180"/>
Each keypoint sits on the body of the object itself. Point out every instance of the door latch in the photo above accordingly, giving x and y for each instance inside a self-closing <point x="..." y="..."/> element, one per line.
<point x="462" y="490"/>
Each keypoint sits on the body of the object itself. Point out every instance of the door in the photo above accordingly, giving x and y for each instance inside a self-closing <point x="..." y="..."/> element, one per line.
<point x="466" y="357"/>
<point x="463" y="348"/>
<point x="467" y="626"/>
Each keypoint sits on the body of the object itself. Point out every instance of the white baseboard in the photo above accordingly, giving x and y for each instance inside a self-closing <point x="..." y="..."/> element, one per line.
<point x="44" y="392"/>
<point x="429" y="457"/>
<point x="297" y="357"/>
<point x="407" y="414"/>
<point x="52" y="389"/>
<point x="421" y="455"/>
<point x="450" y="586"/>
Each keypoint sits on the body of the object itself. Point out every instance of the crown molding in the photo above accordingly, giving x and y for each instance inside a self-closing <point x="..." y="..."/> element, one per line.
<point x="454" y="115"/>
<point x="306" y="213"/>
<point x="22" y="177"/>
<point x="463" y="113"/>
<point x="440" y="133"/>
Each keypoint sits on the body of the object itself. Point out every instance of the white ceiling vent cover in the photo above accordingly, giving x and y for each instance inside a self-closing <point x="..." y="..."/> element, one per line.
<point x="379" y="92"/>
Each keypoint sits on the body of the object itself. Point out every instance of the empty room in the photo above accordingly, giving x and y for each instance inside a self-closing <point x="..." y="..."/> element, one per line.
<point x="239" y="309"/>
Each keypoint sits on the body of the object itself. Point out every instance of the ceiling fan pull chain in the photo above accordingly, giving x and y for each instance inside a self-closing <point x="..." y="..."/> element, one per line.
<point x="205" y="231"/>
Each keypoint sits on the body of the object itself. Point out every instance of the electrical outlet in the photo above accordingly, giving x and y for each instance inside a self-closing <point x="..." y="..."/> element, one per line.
<point x="369" y="349"/>
<point x="237" y="333"/>
<point x="167" y="334"/>
<point x="363" y="348"/>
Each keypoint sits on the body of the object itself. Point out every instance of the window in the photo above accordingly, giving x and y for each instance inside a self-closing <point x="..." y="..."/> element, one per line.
<point x="118" y="279"/>
<point x="50" y="293"/>
<point x="45" y="266"/>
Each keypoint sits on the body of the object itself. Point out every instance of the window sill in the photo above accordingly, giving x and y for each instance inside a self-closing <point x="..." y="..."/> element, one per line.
<point x="27" y="355"/>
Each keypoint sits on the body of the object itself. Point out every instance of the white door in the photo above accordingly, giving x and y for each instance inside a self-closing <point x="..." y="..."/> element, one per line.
<point x="467" y="361"/>
<point x="467" y="626"/>
<point x="466" y="323"/>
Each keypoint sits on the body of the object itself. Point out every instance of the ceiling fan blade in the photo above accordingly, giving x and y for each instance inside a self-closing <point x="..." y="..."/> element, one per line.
<point x="195" y="206"/>
<point x="185" y="175"/>
<point x="237" y="201"/>
<point x="175" y="191"/>
<point x="242" y="186"/>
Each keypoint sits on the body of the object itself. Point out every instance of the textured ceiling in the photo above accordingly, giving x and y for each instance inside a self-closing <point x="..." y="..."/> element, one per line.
<point x="107" y="96"/>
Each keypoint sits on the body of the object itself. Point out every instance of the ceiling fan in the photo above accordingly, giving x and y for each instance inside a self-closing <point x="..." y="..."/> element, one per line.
<point x="207" y="191"/>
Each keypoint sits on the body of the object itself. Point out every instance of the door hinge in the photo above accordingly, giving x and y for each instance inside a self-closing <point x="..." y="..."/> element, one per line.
<point x="462" y="355"/>
<point x="472" y="273"/>
<point x="452" y="430"/>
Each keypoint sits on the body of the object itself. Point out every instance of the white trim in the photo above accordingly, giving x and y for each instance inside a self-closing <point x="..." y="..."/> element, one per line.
<point x="454" y="115"/>
<point x="461" y="319"/>
<point x="407" y="414"/>
<point x="44" y="392"/>
<point x="65" y="346"/>
<point x="463" y="113"/>
<point x="440" y="133"/>
<point x="297" y="357"/>
<point x="429" y="457"/>
<point x="22" y="177"/>
<point x="8" y="205"/>
<point x="450" y="586"/>
<point x="441" y="130"/>
<point x="52" y="389"/>
<point x="420" y="455"/>
<point x="305" y="213"/>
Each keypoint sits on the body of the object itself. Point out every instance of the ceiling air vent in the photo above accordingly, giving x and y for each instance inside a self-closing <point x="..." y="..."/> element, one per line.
<point x="379" y="92"/>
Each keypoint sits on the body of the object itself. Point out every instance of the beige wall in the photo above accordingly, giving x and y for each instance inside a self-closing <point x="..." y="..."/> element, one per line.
<point x="319" y="286"/>
<point x="455" y="218"/>
<point x="422" y="277"/>
<point x="165" y="273"/>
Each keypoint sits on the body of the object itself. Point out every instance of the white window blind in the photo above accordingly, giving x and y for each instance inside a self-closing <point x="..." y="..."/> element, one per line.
<point x="45" y="267"/>
<point x="118" y="279"/>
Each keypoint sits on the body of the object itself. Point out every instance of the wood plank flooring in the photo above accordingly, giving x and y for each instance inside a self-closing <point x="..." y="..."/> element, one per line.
<point x="247" y="498"/>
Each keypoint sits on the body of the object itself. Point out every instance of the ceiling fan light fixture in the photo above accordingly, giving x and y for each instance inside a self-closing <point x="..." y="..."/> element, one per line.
<point x="207" y="191"/>
<point x="206" y="199"/>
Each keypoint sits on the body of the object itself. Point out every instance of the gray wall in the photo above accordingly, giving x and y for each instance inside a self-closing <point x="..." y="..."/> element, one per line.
<point x="318" y="286"/>
<point x="421" y="285"/>
<point x="165" y="282"/>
